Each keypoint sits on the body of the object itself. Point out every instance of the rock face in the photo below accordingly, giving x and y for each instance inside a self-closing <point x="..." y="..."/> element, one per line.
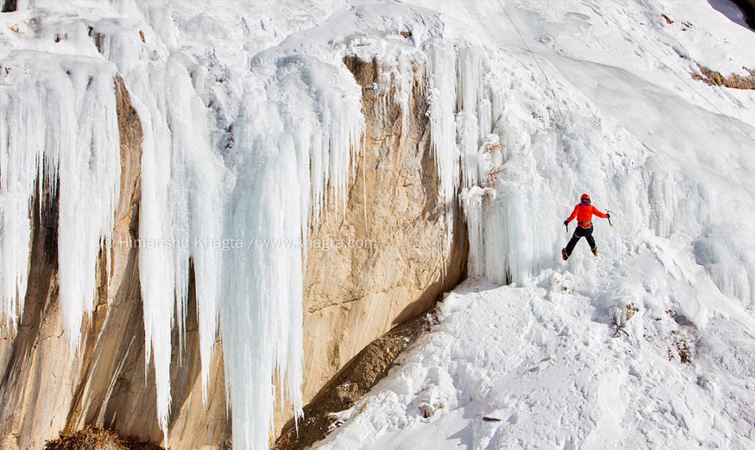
<point x="362" y="373"/>
<point x="47" y="387"/>
<point x="382" y="260"/>
<point x="401" y="259"/>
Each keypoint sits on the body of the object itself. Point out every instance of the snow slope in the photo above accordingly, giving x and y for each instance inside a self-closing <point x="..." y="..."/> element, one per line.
<point x="531" y="104"/>
<point x="537" y="367"/>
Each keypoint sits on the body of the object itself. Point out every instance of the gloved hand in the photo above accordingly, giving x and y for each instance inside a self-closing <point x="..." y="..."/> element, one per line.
<point x="566" y="223"/>
<point x="608" y="215"/>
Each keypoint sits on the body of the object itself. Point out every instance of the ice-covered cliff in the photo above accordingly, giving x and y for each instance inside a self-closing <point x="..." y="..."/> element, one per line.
<point x="243" y="151"/>
<point x="254" y="139"/>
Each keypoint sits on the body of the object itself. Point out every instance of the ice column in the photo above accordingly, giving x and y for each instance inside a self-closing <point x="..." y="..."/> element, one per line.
<point x="442" y="110"/>
<point x="180" y="218"/>
<point x="295" y="140"/>
<point x="60" y="123"/>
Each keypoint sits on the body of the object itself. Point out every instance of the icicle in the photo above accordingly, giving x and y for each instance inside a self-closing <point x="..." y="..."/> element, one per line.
<point x="61" y="121"/>
<point x="89" y="174"/>
<point x="20" y="152"/>
<point x="314" y="133"/>
<point x="180" y="218"/>
<point x="472" y="202"/>
<point x="467" y="120"/>
<point x="442" y="98"/>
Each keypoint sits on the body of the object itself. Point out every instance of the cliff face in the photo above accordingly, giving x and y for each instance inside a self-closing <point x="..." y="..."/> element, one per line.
<point x="47" y="386"/>
<point x="382" y="261"/>
<point x="354" y="295"/>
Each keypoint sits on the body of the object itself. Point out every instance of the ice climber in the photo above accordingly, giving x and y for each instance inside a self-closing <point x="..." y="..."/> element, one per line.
<point x="583" y="212"/>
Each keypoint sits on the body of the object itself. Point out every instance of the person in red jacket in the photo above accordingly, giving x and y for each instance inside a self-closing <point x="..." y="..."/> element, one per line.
<point x="583" y="212"/>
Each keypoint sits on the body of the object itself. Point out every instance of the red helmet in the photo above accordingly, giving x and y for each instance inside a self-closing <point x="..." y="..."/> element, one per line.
<point x="585" y="198"/>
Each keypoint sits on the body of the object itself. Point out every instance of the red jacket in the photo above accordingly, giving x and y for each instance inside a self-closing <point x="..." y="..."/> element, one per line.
<point x="583" y="212"/>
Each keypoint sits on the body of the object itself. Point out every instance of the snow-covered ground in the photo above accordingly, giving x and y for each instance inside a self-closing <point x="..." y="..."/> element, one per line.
<point x="532" y="103"/>
<point x="542" y="366"/>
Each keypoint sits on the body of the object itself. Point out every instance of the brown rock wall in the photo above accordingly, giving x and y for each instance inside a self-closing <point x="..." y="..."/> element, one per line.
<point x="355" y="295"/>
<point x="46" y="386"/>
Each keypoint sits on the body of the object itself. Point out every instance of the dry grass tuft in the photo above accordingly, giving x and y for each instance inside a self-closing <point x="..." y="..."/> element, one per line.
<point x="733" y="81"/>
<point x="95" y="437"/>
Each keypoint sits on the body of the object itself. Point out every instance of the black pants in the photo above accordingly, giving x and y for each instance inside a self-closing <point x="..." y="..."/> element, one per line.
<point x="579" y="233"/>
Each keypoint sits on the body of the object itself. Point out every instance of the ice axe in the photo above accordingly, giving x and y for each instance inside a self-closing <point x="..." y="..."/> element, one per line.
<point x="608" y="214"/>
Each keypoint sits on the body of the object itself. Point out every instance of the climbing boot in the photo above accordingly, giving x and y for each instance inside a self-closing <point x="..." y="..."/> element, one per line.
<point x="595" y="250"/>
<point x="564" y="254"/>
